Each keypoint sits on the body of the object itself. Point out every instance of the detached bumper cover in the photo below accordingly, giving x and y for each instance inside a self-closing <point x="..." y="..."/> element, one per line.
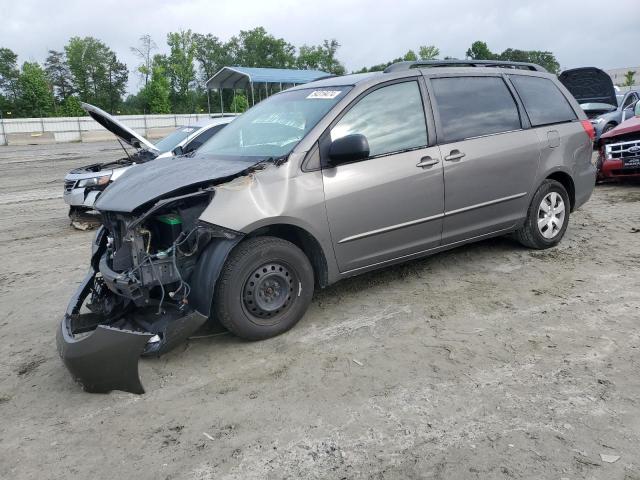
<point x="103" y="358"/>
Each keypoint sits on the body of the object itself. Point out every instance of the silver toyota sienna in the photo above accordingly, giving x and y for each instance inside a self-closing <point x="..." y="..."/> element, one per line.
<point x="319" y="183"/>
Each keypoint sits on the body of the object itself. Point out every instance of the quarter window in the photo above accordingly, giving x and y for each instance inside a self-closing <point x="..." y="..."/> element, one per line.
<point x="544" y="102"/>
<point x="392" y="119"/>
<point x="474" y="106"/>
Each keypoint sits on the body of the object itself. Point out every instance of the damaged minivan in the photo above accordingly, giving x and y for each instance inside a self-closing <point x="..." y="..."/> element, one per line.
<point x="315" y="184"/>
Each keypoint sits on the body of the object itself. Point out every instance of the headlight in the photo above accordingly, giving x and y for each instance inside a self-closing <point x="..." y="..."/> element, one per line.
<point x="94" y="181"/>
<point x="599" y="120"/>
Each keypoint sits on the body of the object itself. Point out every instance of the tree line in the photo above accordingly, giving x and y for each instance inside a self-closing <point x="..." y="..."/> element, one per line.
<point x="87" y="70"/>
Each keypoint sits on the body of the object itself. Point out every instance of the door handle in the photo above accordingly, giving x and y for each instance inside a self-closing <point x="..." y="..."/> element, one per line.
<point x="427" y="162"/>
<point x="454" y="155"/>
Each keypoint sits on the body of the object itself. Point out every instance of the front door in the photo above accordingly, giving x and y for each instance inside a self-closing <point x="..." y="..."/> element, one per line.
<point x="391" y="204"/>
<point x="490" y="162"/>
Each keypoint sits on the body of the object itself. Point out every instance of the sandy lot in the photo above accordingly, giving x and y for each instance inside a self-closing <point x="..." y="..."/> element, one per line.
<point x="490" y="361"/>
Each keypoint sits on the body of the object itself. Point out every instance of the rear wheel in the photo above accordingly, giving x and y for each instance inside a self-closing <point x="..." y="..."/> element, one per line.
<point x="547" y="217"/>
<point x="264" y="289"/>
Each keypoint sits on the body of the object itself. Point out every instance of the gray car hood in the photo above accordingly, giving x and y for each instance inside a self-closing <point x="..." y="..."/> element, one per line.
<point x="144" y="183"/>
<point x="589" y="85"/>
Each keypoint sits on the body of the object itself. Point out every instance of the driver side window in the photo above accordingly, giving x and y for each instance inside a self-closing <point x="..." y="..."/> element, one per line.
<point x="392" y="118"/>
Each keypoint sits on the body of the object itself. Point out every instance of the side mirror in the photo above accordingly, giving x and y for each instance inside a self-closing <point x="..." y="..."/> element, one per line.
<point x="177" y="151"/>
<point x="348" y="149"/>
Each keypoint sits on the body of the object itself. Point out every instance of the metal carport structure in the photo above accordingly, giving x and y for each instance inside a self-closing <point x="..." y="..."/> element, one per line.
<point x="247" y="77"/>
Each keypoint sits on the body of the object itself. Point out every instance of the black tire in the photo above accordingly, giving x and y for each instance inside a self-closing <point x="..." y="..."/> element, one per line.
<point x="264" y="289"/>
<point x="608" y="127"/>
<point x="529" y="234"/>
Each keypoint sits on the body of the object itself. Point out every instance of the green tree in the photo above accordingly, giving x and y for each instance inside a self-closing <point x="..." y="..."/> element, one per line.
<point x="143" y="51"/>
<point x="180" y="69"/>
<point x="211" y="54"/>
<point x="321" y="57"/>
<point x="59" y="75"/>
<point x="257" y="48"/>
<point x="480" y="51"/>
<point x="98" y="76"/>
<point x="71" y="107"/>
<point x="35" y="96"/>
<point x="239" y="103"/>
<point x="628" y="79"/>
<point x="410" y="56"/>
<point x="545" y="59"/>
<point x="156" y="94"/>
<point x="428" y="52"/>
<point x="9" y="74"/>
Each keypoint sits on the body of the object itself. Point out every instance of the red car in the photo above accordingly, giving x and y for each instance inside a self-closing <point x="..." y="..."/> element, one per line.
<point x="620" y="150"/>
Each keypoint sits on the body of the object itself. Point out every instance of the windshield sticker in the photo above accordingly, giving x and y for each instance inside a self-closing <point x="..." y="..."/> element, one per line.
<point x="324" y="94"/>
<point x="188" y="130"/>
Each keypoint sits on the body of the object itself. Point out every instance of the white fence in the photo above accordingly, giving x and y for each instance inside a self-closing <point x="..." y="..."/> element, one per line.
<point x="33" y="131"/>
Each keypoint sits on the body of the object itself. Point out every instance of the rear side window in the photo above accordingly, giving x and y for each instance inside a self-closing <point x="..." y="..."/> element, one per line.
<point x="543" y="100"/>
<point x="474" y="106"/>
<point x="392" y="119"/>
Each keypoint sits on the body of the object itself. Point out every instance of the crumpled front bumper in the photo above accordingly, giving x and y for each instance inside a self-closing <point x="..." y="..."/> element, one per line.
<point x="103" y="358"/>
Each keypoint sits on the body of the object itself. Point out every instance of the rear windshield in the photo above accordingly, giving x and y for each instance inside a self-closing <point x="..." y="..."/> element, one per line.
<point x="544" y="102"/>
<point x="274" y="126"/>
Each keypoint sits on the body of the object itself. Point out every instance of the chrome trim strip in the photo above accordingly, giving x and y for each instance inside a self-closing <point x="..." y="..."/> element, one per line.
<point x="428" y="219"/>
<point x="485" y="204"/>
<point x="426" y="252"/>
<point x="391" y="228"/>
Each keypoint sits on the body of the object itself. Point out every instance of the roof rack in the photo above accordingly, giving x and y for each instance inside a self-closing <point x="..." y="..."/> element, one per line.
<point x="399" y="66"/>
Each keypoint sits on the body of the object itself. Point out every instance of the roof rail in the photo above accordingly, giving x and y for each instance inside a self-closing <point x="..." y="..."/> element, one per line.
<point x="399" y="66"/>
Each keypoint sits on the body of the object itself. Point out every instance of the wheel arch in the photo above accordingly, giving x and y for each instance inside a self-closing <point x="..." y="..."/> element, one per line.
<point x="302" y="239"/>
<point x="567" y="182"/>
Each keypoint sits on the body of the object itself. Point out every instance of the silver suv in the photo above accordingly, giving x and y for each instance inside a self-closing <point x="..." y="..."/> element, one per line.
<point x="319" y="183"/>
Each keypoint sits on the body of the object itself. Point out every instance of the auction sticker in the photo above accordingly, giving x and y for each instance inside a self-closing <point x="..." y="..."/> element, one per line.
<point x="324" y="94"/>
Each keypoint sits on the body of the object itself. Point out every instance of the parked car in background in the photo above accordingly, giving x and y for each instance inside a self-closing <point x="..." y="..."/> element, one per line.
<point x="619" y="156"/>
<point x="596" y="94"/>
<point x="319" y="183"/>
<point x="83" y="185"/>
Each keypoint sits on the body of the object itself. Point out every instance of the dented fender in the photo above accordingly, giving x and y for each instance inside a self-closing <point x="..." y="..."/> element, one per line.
<point x="275" y="195"/>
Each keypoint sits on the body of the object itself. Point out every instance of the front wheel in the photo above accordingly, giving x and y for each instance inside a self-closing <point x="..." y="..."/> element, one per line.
<point x="264" y="289"/>
<point x="547" y="217"/>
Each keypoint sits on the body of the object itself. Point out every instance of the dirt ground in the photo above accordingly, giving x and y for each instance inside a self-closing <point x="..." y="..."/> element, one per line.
<point x="489" y="361"/>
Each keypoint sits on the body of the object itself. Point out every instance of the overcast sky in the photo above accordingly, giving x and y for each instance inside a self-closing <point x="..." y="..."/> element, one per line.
<point x="578" y="32"/>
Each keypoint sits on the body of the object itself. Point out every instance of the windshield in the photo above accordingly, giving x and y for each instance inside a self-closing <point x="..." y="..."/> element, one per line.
<point x="274" y="126"/>
<point x="170" y="142"/>
<point x="619" y="99"/>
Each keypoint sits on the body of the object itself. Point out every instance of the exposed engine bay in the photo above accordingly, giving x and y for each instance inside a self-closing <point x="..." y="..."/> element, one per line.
<point x="138" y="298"/>
<point x="141" y="156"/>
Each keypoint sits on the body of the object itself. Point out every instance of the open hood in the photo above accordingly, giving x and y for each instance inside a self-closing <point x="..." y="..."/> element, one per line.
<point x="589" y="85"/>
<point x="118" y="129"/>
<point x="150" y="181"/>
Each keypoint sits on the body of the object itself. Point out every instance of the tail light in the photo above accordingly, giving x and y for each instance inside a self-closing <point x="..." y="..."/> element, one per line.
<point x="586" y="124"/>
